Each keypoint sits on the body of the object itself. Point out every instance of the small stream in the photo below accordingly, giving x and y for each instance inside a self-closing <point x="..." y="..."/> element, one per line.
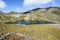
<point x="32" y="22"/>
<point x="25" y="23"/>
<point x="19" y="22"/>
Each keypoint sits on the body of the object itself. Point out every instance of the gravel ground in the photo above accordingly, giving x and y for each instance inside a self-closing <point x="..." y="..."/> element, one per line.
<point x="55" y="25"/>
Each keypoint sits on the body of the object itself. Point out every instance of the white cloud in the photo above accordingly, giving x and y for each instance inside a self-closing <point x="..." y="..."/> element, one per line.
<point x="2" y="4"/>
<point x="29" y="3"/>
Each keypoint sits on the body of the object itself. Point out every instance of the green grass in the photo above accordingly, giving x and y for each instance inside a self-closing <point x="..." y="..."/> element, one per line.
<point x="37" y="32"/>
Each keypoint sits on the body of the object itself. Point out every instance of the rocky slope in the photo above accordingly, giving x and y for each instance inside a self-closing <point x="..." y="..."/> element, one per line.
<point x="9" y="17"/>
<point x="42" y="15"/>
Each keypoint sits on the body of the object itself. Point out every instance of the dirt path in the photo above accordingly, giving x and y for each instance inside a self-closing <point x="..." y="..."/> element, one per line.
<point x="55" y="25"/>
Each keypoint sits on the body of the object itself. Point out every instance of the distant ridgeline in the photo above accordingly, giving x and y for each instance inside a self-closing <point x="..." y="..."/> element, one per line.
<point x="50" y="15"/>
<point x="12" y="13"/>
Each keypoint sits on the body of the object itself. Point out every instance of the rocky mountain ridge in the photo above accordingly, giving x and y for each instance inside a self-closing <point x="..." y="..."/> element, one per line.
<point x="39" y="15"/>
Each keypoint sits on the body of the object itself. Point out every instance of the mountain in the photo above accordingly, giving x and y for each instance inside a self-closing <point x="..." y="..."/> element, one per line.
<point x="50" y="15"/>
<point x="42" y="15"/>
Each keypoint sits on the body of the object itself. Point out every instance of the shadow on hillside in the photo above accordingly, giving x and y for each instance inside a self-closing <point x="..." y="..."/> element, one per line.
<point x="42" y="22"/>
<point x="35" y="22"/>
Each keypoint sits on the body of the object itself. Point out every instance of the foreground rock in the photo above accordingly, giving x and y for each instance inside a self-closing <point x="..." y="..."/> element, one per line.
<point x="14" y="36"/>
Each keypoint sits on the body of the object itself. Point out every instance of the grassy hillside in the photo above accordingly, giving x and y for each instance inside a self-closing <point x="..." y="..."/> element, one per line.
<point x="8" y="18"/>
<point x="5" y="17"/>
<point x="42" y="15"/>
<point x="36" y="32"/>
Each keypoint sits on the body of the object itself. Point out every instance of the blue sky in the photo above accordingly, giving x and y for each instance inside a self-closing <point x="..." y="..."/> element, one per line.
<point x="24" y="5"/>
